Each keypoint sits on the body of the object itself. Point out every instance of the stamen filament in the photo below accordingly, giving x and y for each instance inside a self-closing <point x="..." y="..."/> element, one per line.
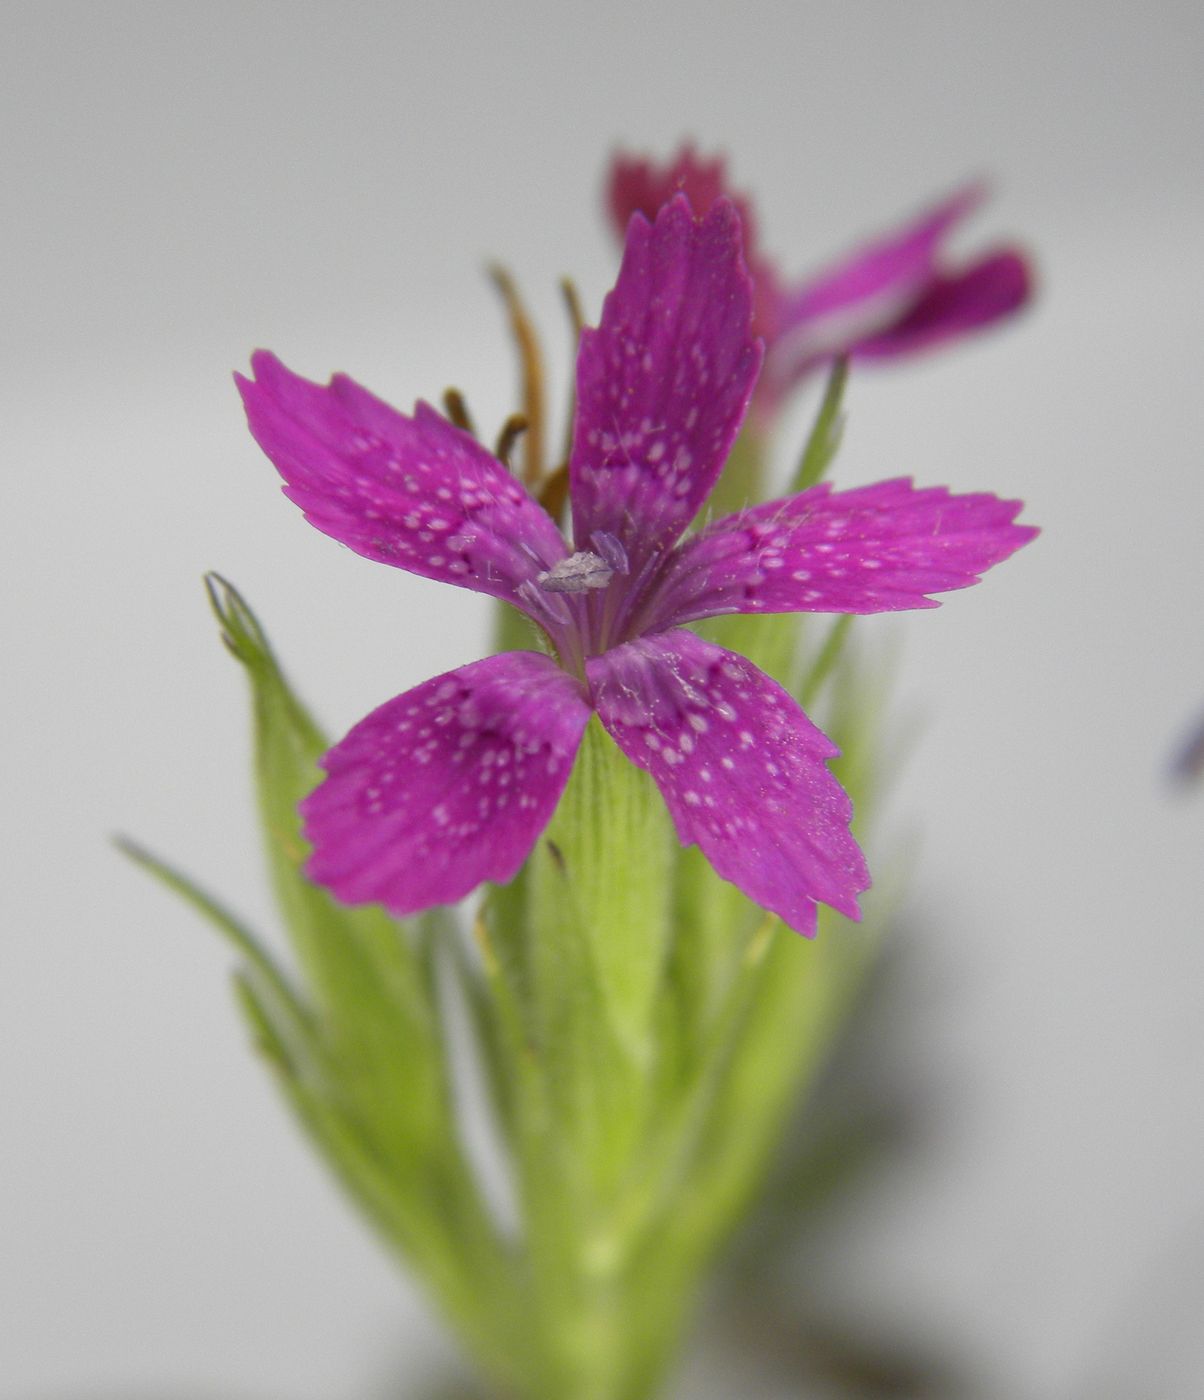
<point x="555" y="494"/>
<point x="512" y="429"/>
<point x="457" y="410"/>
<point x="572" y="303"/>
<point x="531" y="361"/>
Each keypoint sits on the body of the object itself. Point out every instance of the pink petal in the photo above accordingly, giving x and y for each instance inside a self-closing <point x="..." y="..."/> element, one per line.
<point x="874" y="549"/>
<point x="954" y="305"/>
<point x="741" y="768"/>
<point x="663" y="383"/>
<point x="447" y="785"/>
<point x="640" y="186"/>
<point x="894" y="264"/>
<point x="864" y="294"/>
<point x="413" y="492"/>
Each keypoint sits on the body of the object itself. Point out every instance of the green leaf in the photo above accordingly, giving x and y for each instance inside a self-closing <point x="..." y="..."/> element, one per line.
<point x="743" y="477"/>
<point x="820" y="669"/>
<point x="824" y="441"/>
<point x="360" y="963"/>
<point x="262" y="967"/>
<point x="374" y="992"/>
<point x="454" y="1250"/>
<point x="360" y="1054"/>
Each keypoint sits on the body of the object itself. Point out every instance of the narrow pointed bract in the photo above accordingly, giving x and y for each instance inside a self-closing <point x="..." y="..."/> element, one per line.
<point x="451" y="783"/>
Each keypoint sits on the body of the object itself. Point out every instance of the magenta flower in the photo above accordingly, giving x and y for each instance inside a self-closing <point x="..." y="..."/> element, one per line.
<point x="451" y="783"/>
<point x="895" y="295"/>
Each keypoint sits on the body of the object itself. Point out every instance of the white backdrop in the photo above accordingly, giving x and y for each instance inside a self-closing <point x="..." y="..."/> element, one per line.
<point x="182" y="183"/>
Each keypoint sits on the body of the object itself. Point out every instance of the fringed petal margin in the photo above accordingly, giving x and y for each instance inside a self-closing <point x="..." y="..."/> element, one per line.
<point x="741" y="767"/>
<point x="447" y="785"/>
<point x="417" y="493"/>
<point x="880" y="548"/>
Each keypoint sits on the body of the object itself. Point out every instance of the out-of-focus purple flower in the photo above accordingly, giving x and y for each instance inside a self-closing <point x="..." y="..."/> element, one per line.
<point x="894" y="295"/>
<point x="451" y="783"/>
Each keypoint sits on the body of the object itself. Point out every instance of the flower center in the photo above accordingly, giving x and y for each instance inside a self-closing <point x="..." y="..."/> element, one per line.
<point x="575" y="603"/>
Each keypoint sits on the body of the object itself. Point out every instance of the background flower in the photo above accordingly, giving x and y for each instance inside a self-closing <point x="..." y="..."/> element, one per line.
<point x="896" y="294"/>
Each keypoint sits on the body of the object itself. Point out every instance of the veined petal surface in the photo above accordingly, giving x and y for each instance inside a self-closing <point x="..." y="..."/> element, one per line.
<point x="416" y="492"/>
<point x="663" y="382"/>
<point x="879" y="548"/>
<point x="447" y="785"/>
<point x="741" y="767"/>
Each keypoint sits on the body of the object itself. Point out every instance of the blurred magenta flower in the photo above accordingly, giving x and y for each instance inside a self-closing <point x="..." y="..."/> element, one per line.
<point x="893" y="296"/>
<point x="451" y="783"/>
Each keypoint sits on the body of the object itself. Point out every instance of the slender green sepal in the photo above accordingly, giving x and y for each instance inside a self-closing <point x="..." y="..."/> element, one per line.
<point x="817" y="673"/>
<point x="742" y="481"/>
<point x="824" y="441"/>
<point x="261" y="965"/>
<point x="361" y="1053"/>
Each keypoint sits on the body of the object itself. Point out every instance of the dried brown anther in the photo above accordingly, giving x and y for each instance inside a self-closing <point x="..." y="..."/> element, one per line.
<point x="457" y="410"/>
<point x="512" y="429"/>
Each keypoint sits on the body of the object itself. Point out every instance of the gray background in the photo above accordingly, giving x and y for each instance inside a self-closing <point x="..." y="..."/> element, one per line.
<point x="182" y="183"/>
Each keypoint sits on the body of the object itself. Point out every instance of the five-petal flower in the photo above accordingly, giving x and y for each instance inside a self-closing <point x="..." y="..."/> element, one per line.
<point x="451" y="783"/>
<point x="894" y="295"/>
